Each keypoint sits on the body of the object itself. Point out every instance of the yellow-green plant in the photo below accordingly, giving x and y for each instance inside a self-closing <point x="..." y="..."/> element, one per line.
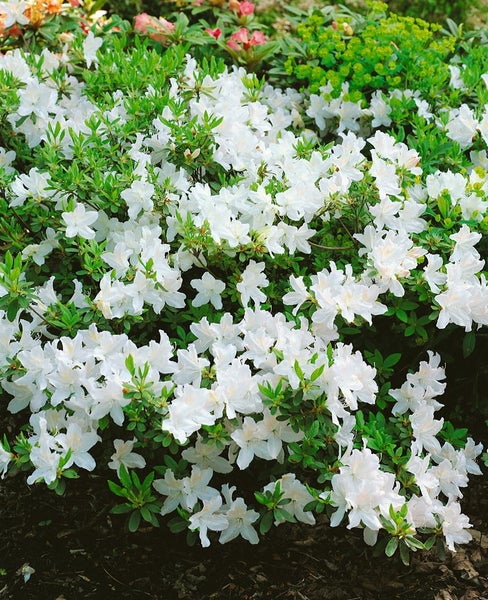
<point x="378" y="51"/>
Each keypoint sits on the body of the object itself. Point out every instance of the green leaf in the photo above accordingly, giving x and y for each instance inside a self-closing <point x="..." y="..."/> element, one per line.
<point x="283" y="515"/>
<point x="391" y="547"/>
<point x="261" y="498"/>
<point x="266" y="522"/>
<point x="392" y="360"/>
<point x="317" y="373"/>
<point x="444" y="205"/>
<point x="134" y="521"/>
<point x="125" y="477"/>
<point x="117" y="489"/>
<point x="413" y="543"/>
<point x="129" y="363"/>
<point x="177" y="525"/>
<point x="70" y="474"/>
<point x="13" y="309"/>
<point x="402" y="315"/>
<point x="120" y="509"/>
<point x="146" y="514"/>
<point x="469" y="343"/>
<point x="429" y="543"/>
<point x="404" y="554"/>
<point x="135" y="480"/>
<point x="298" y="370"/>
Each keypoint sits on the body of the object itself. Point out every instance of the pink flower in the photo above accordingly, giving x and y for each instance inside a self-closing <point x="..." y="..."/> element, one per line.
<point x="214" y="32"/>
<point x="245" y="9"/>
<point x="257" y="39"/>
<point x="141" y="22"/>
<point x="240" y="39"/>
<point x="157" y="29"/>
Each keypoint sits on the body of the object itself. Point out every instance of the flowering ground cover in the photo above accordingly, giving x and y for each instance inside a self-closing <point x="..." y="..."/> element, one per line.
<point x="237" y="267"/>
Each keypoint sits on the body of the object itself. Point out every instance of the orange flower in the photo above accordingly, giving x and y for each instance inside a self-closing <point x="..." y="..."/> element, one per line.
<point x="53" y="6"/>
<point x="35" y="14"/>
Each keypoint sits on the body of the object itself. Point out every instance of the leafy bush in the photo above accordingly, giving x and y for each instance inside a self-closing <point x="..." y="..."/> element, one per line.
<point x="375" y="52"/>
<point x="430" y="10"/>
<point x="235" y="288"/>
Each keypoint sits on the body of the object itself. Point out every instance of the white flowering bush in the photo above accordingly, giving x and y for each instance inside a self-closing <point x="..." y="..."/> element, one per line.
<point x="211" y="289"/>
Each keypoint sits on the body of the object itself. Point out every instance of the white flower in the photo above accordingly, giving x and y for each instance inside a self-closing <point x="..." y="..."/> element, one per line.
<point x="13" y="12"/>
<point x="78" y="222"/>
<point x="191" y="408"/>
<point x="425" y="428"/>
<point x="456" y="81"/>
<point x="262" y="438"/>
<point x="138" y="198"/>
<point x="350" y="376"/>
<point x="239" y="518"/>
<point x="462" y="126"/>
<point x="252" y="279"/>
<point x="5" y="458"/>
<point x="392" y="256"/>
<point x="432" y="274"/>
<point x="30" y="186"/>
<point x="38" y="252"/>
<point x="207" y="454"/>
<point x="185" y="492"/>
<point x="190" y="366"/>
<point x="38" y="99"/>
<point x="364" y="490"/>
<point x="450" y="479"/>
<point x="298" y="296"/>
<point x="298" y="495"/>
<point x="78" y="442"/>
<point x="208" y="519"/>
<point x="251" y="439"/>
<point x="209" y="290"/>
<point x="454" y="525"/>
<point x="90" y="46"/>
<point x="425" y="477"/>
<point x="6" y="159"/>
<point x="483" y="125"/>
<point x="123" y="455"/>
<point x="380" y="110"/>
<point x="44" y="456"/>
<point x="237" y="388"/>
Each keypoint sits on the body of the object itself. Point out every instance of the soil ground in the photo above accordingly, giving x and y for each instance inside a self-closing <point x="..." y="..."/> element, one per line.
<point x="77" y="550"/>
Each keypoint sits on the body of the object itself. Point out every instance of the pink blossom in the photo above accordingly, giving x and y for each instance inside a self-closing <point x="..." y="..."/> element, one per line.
<point x="257" y="39"/>
<point x="245" y="9"/>
<point x="158" y="29"/>
<point x="216" y="33"/>
<point x="240" y="39"/>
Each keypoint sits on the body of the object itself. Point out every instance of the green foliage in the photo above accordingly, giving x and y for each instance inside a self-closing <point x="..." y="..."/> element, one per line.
<point x="140" y="502"/>
<point x="377" y="52"/>
<point x="274" y="511"/>
<point x="403" y="535"/>
<point x="435" y="10"/>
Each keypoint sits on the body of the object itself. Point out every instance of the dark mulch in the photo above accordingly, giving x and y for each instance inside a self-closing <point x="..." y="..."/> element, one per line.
<point x="79" y="551"/>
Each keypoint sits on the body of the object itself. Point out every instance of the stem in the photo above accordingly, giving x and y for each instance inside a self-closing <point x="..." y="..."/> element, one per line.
<point x="331" y="247"/>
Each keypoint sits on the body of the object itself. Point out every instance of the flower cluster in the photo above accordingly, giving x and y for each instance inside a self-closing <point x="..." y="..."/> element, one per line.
<point x="187" y="266"/>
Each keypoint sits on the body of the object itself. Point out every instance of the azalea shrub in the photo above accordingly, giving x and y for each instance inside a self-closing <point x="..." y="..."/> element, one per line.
<point x="37" y="24"/>
<point x="220" y="294"/>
